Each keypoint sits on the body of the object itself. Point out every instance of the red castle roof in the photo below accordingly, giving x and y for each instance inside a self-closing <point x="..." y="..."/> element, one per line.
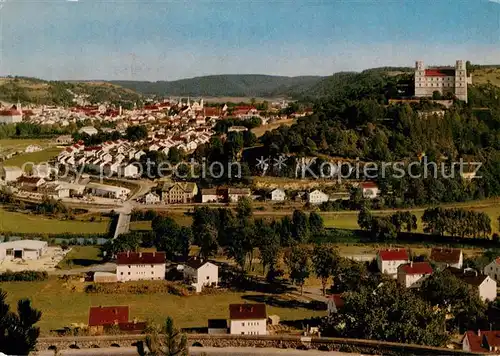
<point x="439" y="72"/>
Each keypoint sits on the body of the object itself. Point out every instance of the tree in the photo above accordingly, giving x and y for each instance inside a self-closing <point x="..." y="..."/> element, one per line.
<point x="324" y="259"/>
<point x="299" y="265"/>
<point x="300" y="230"/>
<point x="18" y="335"/>
<point x="316" y="224"/>
<point x="388" y="313"/>
<point x="244" y="208"/>
<point x="166" y="341"/>
<point x="365" y="218"/>
<point x="268" y="242"/>
<point x="136" y="133"/>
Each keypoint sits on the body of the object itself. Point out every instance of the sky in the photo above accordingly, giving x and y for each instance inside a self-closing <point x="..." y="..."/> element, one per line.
<point x="169" y="40"/>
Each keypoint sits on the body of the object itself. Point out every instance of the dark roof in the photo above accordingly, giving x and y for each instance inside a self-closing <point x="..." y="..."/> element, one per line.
<point x="247" y="311"/>
<point x="217" y="323"/>
<point x="31" y="180"/>
<point x="108" y="315"/>
<point x="398" y="254"/>
<point x="416" y="268"/>
<point x="446" y="255"/>
<point x="468" y="276"/>
<point x="196" y="262"/>
<point x="136" y="258"/>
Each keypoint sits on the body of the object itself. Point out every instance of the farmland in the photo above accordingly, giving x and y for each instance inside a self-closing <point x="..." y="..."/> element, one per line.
<point x="33" y="158"/>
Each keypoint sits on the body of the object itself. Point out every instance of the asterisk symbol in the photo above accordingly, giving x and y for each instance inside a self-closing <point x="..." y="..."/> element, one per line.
<point x="263" y="163"/>
<point x="279" y="162"/>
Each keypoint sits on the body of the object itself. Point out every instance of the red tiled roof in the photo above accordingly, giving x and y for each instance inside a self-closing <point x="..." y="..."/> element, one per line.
<point x="398" y="254"/>
<point x="417" y="268"/>
<point x="10" y="112"/>
<point x="369" y="185"/>
<point x="134" y="258"/>
<point x="439" y="72"/>
<point x="247" y="311"/>
<point x="482" y="342"/>
<point x="108" y="315"/>
<point x="445" y="255"/>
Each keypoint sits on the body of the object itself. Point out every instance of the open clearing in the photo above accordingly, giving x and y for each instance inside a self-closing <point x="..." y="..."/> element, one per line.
<point x="33" y="158"/>
<point x="261" y="130"/>
<point x="30" y="223"/>
<point x="61" y="307"/>
<point x="21" y="144"/>
<point x="81" y="256"/>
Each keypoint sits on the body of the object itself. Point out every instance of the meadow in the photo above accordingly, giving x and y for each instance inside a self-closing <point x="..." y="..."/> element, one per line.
<point x="61" y="306"/>
<point x="31" y="223"/>
<point x="34" y="157"/>
<point x="21" y="144"/>
<point x="81" y="256"/>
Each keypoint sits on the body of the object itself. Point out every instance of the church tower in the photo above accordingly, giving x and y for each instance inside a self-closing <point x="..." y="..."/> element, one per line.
<point x="461" y="80"/>
<point x="420" y="79"/>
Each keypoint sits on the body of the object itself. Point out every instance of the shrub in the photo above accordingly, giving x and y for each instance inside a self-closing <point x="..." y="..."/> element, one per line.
<point x="23" y="276"/>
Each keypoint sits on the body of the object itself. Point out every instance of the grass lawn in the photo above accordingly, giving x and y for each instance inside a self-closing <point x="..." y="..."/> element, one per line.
<point x="261" y="130"/>
<point x="21" y="144"/>
<point x="60" y="306"/>
<point x="35" y="157"/>
<point x="81" y="256"/>
<point x="140" y="225"/>
<point x="27" y="223"/>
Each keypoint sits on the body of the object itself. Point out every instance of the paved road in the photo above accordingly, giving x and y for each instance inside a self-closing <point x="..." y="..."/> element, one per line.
<point x="198" y="351"/>
<point x="106" y="267"/>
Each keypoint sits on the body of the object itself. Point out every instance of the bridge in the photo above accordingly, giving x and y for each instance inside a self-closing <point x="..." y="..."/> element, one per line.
<point x="269" y="341"/>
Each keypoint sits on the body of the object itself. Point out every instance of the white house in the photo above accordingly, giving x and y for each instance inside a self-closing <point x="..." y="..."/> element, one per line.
<point x="411" y="275"/>
<point x="201" y="273"/>
<point x="493" y="269"/>
<point x="135" y="266"/>
<point x="483" y="284"/>
<point x="447" y="257"/>
<point x="130" y="170"/>
<point x="24" y="249"/>
<point x="317" y="197"/>
<point x="209" y="195"/>
<point x="10" y="173"/>
<point x="89" y="130"/>
<point x="388" y="260"/>
<point x="370" y="190"/>
<point x="248" y="319"/>
<point x="278" y="195"/>
<point x="152" y="198"/>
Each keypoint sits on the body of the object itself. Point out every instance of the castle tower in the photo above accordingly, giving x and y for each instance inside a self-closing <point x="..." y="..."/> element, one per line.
<point x="420" y="83"/>
<point x="461" y="80"/>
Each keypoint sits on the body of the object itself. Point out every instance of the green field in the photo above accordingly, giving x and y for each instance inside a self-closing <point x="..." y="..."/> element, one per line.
<point x="21" y="144"/>
<point x="29" y="223"/>
<point x="35" y="157"/>
<point x="81" y="256"/>
<point x="61" y="307"/>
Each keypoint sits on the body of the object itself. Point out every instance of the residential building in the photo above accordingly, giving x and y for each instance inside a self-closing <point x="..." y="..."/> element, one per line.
<point x="447" y="257"/>
<point x="248" y="319"/>
<point x="135" y="266"/>
<point x="129" y="171"/>
<point x="482" y="342"/>
<point x="152" y="198"/>
<point x="445" y="80"/>
<point x="388" y="260"/>
<point x="317" y="197"/>
<point x="89" y="130"/>
<point x="102" y="319"/>
<point x="209" y="195"/>
<point x="30" y="182"/>
<point x="23" y="249"/>
<point x="411" y="275"/>
<point x="10" y="173"/>
<point x="369" y="190"/>
<point x="493" y="269"/>
<point x="483" y="284"/>
<point x="278" y="194"/>
<point x="175" y="193"/>
<point x="201" y="273"/>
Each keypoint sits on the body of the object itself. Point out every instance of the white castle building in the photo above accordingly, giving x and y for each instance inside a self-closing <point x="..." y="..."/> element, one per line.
<point x="442" y="79"/>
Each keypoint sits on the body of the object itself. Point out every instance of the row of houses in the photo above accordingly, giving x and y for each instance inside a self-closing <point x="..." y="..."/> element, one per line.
<point x="397" y="264"/>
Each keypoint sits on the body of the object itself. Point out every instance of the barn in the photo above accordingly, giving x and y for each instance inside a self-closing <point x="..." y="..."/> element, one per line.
<point x="23" y="249"/>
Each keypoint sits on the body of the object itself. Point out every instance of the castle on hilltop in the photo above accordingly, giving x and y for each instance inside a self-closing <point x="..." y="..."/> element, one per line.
<point x="442" y="79"/>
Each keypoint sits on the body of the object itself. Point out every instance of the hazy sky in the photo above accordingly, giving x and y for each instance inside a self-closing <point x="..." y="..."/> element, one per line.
<point x="167" y="40"/>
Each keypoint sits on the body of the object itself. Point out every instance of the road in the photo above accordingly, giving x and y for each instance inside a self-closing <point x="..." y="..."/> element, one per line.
<point x="198" y="351"/>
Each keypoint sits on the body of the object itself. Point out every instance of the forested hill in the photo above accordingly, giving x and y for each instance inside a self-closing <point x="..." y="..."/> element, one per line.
<point x="244" y="85"/>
